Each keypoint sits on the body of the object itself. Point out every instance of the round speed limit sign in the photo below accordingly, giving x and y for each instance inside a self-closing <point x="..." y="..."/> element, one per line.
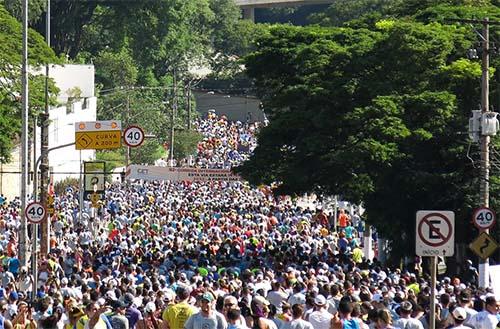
<point x="484" y="218"/>
<point x="35" y="212"/>
<point x="133" y="136"/>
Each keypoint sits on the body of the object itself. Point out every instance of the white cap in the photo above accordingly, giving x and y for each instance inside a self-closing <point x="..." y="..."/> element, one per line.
<point x="459" y="313"/>
<point x="320" y="300"/>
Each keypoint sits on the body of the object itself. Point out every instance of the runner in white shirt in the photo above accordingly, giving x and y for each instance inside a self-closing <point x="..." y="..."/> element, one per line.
<point x="298" y="322"/>
<point x="320" y="318"/>
<point x="487" y="319"/>
<point x="459" y="315"/>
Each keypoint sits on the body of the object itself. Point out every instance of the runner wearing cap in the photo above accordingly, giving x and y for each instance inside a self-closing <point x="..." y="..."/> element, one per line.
<point x="406" y="321"/>
<point x="206" y="318"/>
<point x="459" y="315"/>
<point x="320" y="318"/>
<point x="176" y="315"/>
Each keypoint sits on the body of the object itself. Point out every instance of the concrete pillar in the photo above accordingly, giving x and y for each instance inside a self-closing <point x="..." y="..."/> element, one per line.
<point x="367" y="242"/>
<point x="249" y="13"/>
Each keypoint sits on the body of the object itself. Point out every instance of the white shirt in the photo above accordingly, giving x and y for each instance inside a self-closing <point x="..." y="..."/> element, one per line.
<point x="320" y="319"/>
<point x="483" y="320"/>
<point x="298" y="324"/>
<point x="408" y="323"/>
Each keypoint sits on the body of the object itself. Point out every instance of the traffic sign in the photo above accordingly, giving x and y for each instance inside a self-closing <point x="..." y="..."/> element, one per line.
<point x="484" y="245"/>
<point x="35" y="212"/>
<point x="50" y="205"/>
<point x="94" y="178"/>
<point x="95" y="198"/>
<point x="484" y="218"/>
<point x="133" y="136"/>
<point x="98" y="135"/>
<point x="435" y="233"/>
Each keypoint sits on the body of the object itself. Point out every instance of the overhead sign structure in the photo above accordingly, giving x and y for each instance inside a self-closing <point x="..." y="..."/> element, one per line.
<point x="133" y="136"/>
<point x="435" y="233"/>
<point x="175" y="174"/>
<point x="35" y="212"/>
<point x="484" y="245"/>
<point x="98" y="135"/>
<point x="94" y="179"/>
<point x="484" y="218"/>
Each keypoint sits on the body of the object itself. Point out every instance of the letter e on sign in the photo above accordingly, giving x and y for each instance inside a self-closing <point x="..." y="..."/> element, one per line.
<point x="435" y="231"/>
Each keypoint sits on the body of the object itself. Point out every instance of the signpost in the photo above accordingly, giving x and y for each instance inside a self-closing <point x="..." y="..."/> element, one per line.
<point x="50" y="204"/>
<point x="94" y="179"/>
<point x="484" y="218"/>
<point x="484" y="245"/>
<point x="98" y="135"/>
<point x="133" y="136"/>
<point x="35" y="212"/>
<point x="435" y="236"/>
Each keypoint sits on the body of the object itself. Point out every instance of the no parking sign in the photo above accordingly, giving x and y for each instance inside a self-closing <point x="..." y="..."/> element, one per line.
<point x="435" y="233"/>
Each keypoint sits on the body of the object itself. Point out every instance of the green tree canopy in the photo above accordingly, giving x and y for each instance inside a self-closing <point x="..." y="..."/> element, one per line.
<point x="376" y="115"/>
<point x="10" y="78"/>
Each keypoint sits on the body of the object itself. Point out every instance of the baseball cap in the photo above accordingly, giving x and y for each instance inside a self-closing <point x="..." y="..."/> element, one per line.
<point x="406" y="306"/>
<point x="459" y="313"/>
<point x="128" y="299"/>
<point x="13" y="295"/>
<point x="320" y="300"/>
<point x="260" y="300"/>
<point x="207" y="296"/>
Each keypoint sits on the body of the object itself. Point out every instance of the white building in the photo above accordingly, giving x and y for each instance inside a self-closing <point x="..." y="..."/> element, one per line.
<point x="77" y="102"/>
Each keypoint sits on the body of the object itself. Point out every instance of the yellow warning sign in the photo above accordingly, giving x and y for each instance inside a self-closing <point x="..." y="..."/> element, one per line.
<point x="98" y="140"/>
<point x="484" y="245"/>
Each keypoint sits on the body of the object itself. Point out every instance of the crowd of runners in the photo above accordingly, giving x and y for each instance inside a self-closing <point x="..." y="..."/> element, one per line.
<point x="218" y="255"/>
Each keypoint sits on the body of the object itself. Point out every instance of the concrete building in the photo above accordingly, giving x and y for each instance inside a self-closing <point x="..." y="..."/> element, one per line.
<point x="249" y="6"/>
<point x="77" y="102"/>
<point x="234" y="107"/>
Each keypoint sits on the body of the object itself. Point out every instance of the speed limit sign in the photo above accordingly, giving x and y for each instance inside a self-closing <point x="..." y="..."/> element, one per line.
<point x="35" y="212"/>
<point x="133" y="136"/>
<point x="484" y="218"/>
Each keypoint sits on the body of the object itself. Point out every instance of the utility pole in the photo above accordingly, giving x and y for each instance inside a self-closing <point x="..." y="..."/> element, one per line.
<point x="34" y="233"/>
<point x="484" y="192"/>
<point x="44" y="147"/>
<point x="127" y="151"/>
<point x="189" y="105"/>
<point x="172" y="121"/>
<point x="23" y="232"/>
<point x="484" y="140"/>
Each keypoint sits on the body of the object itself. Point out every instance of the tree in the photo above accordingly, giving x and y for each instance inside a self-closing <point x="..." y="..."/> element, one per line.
<point x="376" y="115"/>
<point x="10" y="79"/>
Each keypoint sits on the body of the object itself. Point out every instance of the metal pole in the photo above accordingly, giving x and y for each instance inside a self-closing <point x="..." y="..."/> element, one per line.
<point x="34" y="237"/>
<point x="81" y="189"/>
<point x="23" y="236"/>
<point x="432" y="318"/>
<point x="127" y="151"/>
<point x="485" y="140"/>
<point x="189" y="105"/>
<point x="335" y="208"/>
<point x="44" y="167"/>
<point x="172" y="121"/>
